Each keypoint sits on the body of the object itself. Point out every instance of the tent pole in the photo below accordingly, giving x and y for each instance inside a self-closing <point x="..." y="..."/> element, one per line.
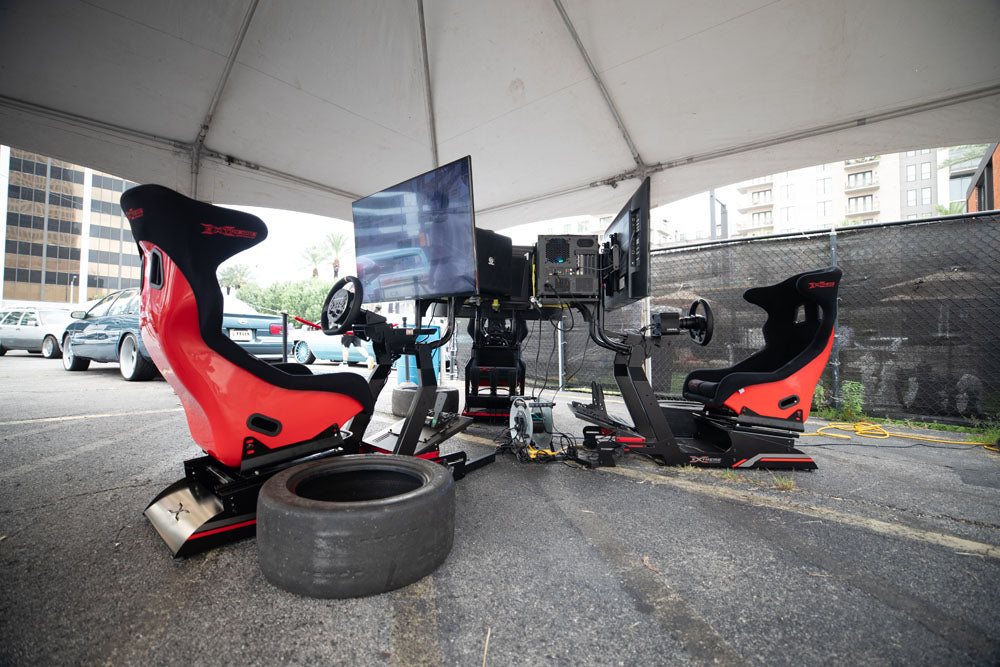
<point x="429" y="99"/>
<point x="640" y="165"/>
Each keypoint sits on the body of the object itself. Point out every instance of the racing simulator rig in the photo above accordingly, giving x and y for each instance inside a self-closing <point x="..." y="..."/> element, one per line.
<point x="254" y="419"/>
<point x="744" y="416"/>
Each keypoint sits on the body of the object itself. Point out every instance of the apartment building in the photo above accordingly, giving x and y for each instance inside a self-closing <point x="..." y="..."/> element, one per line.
<point x="66" y="239"/>
<point x="865" y="190"/>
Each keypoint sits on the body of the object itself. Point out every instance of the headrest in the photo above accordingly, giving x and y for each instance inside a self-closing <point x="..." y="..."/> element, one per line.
<point x="818" y="286"/>
<point x="195" y="235"/>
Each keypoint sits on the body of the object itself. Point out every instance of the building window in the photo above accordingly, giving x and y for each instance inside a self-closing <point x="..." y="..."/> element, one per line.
<point x="911" y="153"/>
<point x="823" y="209"/>
<point x="958" y="186"/>
<point x="824" y="186"/>
<point x="761" y="197"/>
<point x="788" y="192"/>
<point x="859" y="204"/>
<point x="925" y="196"/>
<point x="761" y="219"/>
<point x="925" y="170"/>
<point x="787" y="213"/>
<point x="925" y="151"/>
<point x="822" y="168"/>
<point x="860" y="179"/>
<point x="911" y="173"/>
<point x="911" y="197"/>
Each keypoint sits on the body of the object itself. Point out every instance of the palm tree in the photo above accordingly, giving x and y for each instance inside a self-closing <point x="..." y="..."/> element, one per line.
<point x="335" y="242"/>
<point x="953" y="208"/>
<point x="965" y="153"/>
<point x="234" y="276"/>
<point x="314" y="255"/>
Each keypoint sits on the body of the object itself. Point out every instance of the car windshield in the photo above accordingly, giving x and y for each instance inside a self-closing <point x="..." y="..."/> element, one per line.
<point x="121" y="305"/>
<point x="101" y="308"/>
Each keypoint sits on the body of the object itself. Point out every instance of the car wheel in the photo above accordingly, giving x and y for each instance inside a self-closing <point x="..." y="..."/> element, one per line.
<point x="302" y="353"/>
<point x="71" y="362"/>
<point x="133" y="366"/>
<point x="3" y="350"/>
<point x="355" y="525"/>
<point x="50" y="348"/>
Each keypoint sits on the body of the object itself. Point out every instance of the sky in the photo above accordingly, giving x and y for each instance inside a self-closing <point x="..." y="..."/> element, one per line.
<point x="279" y="258"/>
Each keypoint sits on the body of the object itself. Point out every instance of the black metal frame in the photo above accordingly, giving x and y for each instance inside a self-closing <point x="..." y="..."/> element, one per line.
<point x="673" y="433"/>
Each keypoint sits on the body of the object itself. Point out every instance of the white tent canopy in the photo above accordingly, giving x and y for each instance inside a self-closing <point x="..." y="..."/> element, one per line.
<point x="310" y="104"/>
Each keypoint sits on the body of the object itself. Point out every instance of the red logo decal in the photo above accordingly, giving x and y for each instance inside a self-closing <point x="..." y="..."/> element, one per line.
<point x="228" y="230"/>
<point x="822" y="284"/>
<point x="133" y="213"/>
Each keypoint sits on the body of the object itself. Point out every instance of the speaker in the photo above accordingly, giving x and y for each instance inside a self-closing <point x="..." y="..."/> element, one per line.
<point x="520" y="273"/>
<point x="567" y="266"/>
<point x="493" y="257"/>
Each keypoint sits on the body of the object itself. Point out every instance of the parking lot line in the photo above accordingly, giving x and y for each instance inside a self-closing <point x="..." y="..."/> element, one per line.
<point x="103" y="415"/>
<point x="892" y="529"/>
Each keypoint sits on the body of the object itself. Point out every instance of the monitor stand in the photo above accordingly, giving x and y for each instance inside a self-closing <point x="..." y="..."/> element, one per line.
<point x="426" y="425"/>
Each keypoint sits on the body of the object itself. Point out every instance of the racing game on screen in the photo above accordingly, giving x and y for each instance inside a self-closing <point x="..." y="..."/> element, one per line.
<point x="416" y="240"/>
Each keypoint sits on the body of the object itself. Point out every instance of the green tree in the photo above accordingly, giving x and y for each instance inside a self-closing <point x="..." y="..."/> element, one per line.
<point x="954" y="208"/>
<point x="234" y="276"/>
<point x="314" y="256"/>
<point x="302" y="298"/>
<point x="965" y="153"/>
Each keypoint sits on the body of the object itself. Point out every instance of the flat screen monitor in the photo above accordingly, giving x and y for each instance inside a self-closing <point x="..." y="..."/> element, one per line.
<point x="416" y="240"/>
<point x="625" y="253"/>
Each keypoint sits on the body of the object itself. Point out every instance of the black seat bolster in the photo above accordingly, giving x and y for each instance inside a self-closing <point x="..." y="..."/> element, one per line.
<point x="293" y="368"/>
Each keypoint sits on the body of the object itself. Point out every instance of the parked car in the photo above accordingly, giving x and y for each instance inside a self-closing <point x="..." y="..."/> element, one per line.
<point x="108" y="332"/>
<point x="258" y="334"/>
<point x="313" y="344"/>
<point x="33" y="329"/>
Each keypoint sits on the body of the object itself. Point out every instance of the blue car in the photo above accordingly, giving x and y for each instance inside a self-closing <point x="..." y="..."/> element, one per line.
<point x="313" y="345"/>
<point x="109" y="331"/>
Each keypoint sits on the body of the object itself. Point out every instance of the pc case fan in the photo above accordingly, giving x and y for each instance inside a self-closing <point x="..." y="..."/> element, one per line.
<point x="531" y="423"/>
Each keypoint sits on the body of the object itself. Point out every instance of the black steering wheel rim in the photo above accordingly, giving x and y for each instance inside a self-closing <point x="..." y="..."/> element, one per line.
<point x="702" y="335"/>
<point x="341" y="307"/>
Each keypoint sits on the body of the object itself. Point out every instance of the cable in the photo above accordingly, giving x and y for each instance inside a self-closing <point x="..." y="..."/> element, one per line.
<point x="870" y="430"/>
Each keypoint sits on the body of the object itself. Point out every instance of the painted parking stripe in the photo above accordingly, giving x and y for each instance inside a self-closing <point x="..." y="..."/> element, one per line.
<point x="42" y="420"/>
<point x="875" y="525"/>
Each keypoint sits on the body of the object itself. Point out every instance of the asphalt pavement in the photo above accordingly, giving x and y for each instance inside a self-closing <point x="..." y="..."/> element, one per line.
<point x="889" y="553"/>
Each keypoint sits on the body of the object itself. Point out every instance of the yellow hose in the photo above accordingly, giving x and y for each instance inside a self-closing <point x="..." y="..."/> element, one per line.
<point x="870" y="430"/>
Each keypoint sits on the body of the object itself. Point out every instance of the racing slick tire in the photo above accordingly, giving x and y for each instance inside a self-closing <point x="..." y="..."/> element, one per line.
<point x="355" y="525"/>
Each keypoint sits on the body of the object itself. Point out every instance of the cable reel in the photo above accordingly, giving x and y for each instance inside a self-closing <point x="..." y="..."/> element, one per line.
<point x="531" y="427"/>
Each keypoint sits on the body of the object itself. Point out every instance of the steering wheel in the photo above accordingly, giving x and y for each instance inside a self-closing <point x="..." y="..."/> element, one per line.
<point x="701" y="333"/>
<point x="342" y="306"/>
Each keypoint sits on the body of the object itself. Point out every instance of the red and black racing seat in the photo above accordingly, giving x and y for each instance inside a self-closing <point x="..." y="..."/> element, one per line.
<point x="239" y="408"/>
<point x="774" y="387"/>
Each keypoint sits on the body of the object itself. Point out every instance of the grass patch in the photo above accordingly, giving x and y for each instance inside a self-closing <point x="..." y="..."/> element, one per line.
<point x="783" y="482"/>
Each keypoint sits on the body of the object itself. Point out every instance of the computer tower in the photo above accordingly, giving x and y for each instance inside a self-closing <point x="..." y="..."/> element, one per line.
<point x="566" y="265"/>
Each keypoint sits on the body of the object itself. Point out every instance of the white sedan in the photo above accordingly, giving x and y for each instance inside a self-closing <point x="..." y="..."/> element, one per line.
<point x="34" y="330"/>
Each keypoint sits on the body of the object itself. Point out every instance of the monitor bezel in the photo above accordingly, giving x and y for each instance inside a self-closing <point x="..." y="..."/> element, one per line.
<point x="472" y="227"/>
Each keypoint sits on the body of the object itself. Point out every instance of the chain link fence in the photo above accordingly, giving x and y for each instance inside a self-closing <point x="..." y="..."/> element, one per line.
<point x="919" y="316"/>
